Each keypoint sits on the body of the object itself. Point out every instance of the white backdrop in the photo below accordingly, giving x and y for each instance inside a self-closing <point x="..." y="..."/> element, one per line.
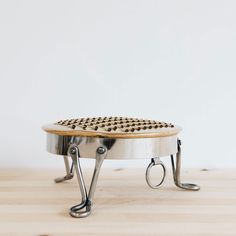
<point x="166" y="60"/>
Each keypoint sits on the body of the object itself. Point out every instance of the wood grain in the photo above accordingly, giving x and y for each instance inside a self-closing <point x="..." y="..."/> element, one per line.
<point x="32" y="204"/>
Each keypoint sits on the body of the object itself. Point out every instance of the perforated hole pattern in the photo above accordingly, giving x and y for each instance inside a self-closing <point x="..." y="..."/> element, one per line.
<point x="114" y="124"/>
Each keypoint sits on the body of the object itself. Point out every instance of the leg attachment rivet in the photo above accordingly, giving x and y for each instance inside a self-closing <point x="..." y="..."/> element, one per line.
<point x="72" y="150"/>
<point x="101" y="150"/>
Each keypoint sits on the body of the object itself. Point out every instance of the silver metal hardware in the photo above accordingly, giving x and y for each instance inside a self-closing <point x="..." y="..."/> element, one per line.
<point x="154" y="162"/>
<point x="84" y="208"/>
<point x="101" y="150"/>
<point x="69" y="172"/>
<point x="176" y="171"/>
<point x="72" y="150"/>
<point x="78" y="147"/>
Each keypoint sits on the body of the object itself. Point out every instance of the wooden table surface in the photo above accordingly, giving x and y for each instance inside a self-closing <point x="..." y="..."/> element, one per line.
<point x="32" y="204"/>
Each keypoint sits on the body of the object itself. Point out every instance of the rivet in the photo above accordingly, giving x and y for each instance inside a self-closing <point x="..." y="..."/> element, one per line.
<point x="101" y="150"/>
<point x="72" y="150"/>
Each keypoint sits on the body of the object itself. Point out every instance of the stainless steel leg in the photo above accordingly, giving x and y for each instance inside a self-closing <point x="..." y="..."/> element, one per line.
<point x="69" y="171"/>
<point x="84" y="208"/>
<point x="176" y="172"/>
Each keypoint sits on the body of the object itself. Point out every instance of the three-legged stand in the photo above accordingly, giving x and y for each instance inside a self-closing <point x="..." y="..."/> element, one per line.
<point x="84" y="208"/>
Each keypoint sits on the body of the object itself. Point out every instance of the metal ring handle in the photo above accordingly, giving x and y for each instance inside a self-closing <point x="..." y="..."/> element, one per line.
<point x="154" y="162"/>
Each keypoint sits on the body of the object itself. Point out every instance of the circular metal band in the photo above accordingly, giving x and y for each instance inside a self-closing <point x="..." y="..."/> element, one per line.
<point x="154" y="162"/>
<point x="139" y="148"/>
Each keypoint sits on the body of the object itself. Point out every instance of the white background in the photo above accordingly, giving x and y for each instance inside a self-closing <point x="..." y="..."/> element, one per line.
<point x="165" y="60"/>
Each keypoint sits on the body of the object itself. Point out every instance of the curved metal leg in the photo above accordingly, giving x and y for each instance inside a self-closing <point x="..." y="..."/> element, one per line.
<point x="69" y="171"/>
<point x="176" y="172"/>
<point x="84" y="208"/>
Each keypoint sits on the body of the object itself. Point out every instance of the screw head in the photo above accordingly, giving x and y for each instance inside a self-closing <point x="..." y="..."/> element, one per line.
<point x="101" y="150"/>
<point x="72" y="150"/>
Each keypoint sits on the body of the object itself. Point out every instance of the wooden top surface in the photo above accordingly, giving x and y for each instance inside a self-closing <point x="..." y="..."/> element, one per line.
<point x="112" y="127"/>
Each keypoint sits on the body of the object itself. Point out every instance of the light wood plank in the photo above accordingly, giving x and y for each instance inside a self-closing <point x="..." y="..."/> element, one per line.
<point x="32" y="204"/>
